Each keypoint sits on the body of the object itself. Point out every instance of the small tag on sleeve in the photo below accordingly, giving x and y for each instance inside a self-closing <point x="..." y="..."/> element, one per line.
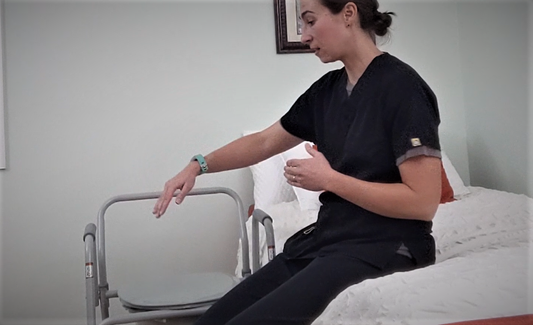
<point x="415" y="142"/>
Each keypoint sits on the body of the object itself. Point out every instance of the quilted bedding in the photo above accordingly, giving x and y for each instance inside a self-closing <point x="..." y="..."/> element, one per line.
<point x="484" y="266"/>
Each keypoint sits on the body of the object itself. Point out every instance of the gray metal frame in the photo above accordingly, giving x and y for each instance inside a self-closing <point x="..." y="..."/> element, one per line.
<point x="261" y="217"/>
<point x="97" y="287"/>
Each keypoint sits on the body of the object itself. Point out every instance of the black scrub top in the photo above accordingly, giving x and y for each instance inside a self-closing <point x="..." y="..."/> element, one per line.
<point x="391" y="115"/>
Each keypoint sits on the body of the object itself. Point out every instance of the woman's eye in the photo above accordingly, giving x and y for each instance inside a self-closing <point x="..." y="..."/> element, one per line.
<point x="310" y="22"/>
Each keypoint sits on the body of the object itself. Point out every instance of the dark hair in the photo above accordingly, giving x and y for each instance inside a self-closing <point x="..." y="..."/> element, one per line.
<point x="372" y="21"/>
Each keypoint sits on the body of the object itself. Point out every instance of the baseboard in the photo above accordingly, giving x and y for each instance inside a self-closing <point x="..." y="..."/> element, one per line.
<point x="47" y="321"/>
<point x="185" y="321"/>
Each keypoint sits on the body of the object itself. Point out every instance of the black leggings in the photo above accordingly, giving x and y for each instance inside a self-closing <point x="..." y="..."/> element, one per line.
<point x="294" y="291"/>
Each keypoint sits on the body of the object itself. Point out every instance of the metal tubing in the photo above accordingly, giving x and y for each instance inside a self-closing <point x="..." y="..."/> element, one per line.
<point x="255" y="244"/>
<point x="100" y="235"/>
<point x="260" y="216"/>
<point x="153" y="315"/>
<point x="91" y="291"/>
<point x="270" y="241"/>
<point x="112" y="294"/>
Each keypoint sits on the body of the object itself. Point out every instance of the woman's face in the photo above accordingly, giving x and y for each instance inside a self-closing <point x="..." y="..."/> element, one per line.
<point x="323" y="31"/>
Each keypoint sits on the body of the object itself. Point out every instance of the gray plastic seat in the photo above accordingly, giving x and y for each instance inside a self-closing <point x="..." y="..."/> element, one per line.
<point x="182" y="291"/>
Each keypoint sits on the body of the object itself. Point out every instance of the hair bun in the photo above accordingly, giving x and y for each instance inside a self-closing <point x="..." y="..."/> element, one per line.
<point x="382" y="21"/>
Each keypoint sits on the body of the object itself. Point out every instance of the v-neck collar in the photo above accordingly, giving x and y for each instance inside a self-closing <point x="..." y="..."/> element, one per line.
<point x="359" y="85"/>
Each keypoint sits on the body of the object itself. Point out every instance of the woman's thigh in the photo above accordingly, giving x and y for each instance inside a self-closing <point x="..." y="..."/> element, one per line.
<point x="303" y="297"/>
<point x="293" y="291"/>
<point x="252" y="289"/>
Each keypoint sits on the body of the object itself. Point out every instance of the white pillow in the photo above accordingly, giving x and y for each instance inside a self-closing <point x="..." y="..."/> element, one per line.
<point x="270" y="186"/>
<point x="308" y="200"/>
<point x="455" y="180"/>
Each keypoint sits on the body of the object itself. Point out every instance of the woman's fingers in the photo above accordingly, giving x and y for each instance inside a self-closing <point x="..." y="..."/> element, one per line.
<point x="292" y="179"/>
<point x="185" y="189"/>
<point x="157" y="206"/>
<point x="162" y="203"/>
<point x="181" y="182"/>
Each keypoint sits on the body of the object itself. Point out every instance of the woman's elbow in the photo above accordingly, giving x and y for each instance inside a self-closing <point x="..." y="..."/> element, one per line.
<point x="428" y="210"/>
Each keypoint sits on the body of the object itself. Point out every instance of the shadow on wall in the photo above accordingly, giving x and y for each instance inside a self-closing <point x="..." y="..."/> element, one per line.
<point x="487" y="170"/>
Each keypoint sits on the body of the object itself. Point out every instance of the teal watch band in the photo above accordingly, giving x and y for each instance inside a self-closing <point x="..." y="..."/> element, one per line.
<point x="203" y="165"/>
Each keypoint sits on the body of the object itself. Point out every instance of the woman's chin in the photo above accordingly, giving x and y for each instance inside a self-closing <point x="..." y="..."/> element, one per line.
<point x="324" y="58"/>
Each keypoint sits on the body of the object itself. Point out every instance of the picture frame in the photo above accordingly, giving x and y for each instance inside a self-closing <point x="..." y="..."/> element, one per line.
<point x="288" y="25"/>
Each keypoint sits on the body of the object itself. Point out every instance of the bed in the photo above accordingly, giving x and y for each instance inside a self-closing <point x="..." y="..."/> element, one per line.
<point x="481" y="275"/>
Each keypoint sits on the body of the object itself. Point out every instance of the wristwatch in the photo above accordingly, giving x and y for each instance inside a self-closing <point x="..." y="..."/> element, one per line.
<point x="203" y="165"/>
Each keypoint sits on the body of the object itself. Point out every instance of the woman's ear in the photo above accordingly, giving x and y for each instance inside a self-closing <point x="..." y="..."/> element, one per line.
<point x="350" y="14"/>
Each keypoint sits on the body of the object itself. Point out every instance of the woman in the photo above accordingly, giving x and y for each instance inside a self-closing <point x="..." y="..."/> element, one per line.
<point x="375" y="124"/>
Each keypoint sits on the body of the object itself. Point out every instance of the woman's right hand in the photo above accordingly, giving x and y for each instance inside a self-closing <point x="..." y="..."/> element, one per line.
<point x="250" y="149"/>
<point x="183" y="181"/>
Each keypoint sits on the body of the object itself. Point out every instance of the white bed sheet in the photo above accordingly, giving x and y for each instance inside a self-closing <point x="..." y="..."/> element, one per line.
<point x="483" y="245"/>
<point x="485" y="284"/>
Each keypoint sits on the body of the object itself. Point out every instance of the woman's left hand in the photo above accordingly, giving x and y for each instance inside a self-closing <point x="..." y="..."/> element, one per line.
<point x="311" y="174"/>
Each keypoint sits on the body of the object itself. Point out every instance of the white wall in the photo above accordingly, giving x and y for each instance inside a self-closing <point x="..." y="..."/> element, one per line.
<point x="494" y="47"/>
<point x="530" y="142"/>
<point x="530" y="86"/>
<point x="2" y="136"/>
<point x="111" y="98"/>
<point x="2" y="122"/>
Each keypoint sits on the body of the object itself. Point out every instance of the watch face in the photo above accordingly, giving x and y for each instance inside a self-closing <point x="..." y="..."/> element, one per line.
<point x="201" y="160"/>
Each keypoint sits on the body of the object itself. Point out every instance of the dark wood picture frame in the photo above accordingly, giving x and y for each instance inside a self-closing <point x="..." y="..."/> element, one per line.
<point x="283" y="44"/>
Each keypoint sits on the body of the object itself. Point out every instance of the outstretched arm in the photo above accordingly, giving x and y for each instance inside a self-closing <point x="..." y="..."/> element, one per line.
<point x="243" y="152"/>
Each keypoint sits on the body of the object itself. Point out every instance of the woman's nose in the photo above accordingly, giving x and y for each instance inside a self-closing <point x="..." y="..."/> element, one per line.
<point x="306" y="38"/>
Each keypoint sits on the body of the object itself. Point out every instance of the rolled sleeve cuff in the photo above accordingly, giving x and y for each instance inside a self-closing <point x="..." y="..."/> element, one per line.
<point x="418" y="151"/>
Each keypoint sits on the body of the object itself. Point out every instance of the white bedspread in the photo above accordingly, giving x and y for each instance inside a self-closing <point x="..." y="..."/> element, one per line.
<point x="479" y="285"/>
<point x="483" y="247"/>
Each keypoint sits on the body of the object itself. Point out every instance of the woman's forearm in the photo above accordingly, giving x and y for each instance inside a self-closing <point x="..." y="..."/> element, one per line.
<point x="390" y="200"/>
<point x="251" y="149"/>
<point x="415" y="200"/>
<point x="242" y="152"/>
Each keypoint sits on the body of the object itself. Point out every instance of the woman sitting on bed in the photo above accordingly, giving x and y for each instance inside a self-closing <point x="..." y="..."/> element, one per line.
<point x="375" y="124"/>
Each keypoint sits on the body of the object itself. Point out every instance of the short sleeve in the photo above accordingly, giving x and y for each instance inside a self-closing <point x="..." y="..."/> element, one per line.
<point x="416" y="121"/>
<point x="301" y="120"/>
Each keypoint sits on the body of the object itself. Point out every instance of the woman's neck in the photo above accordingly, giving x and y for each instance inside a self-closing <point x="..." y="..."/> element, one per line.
<point x="359" y="59"/>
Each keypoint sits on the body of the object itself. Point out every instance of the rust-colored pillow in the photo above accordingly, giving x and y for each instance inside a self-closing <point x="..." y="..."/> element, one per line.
<point x="447" y="191"/>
